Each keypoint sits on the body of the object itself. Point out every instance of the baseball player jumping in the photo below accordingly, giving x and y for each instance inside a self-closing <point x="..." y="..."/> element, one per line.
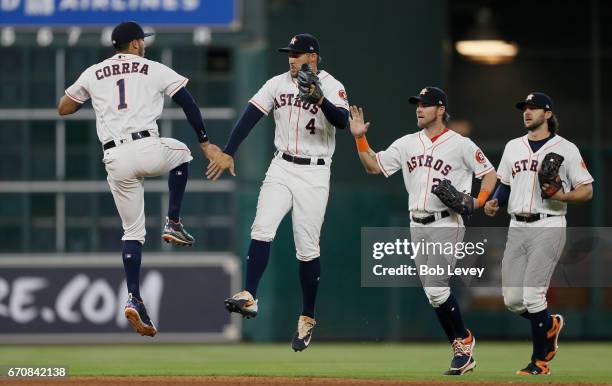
<point x="127" y="93"/>
<point x="308" y="105"/>
<point x="540" y="173"/>
<point x="437" y="164"/>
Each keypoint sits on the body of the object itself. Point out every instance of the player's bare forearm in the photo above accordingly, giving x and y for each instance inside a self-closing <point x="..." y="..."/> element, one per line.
<point x="368" y="160"/>
<point x="210" y="150"/>
<point x="67" y="106"/>
<point x="359" y="128"/>
<point x="581" y="194"/>
<point x="486" y="188"/>
<point x="488" y="181"/>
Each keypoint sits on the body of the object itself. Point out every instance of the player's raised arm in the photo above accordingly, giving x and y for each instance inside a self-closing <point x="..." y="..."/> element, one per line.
<point x="225" y="159"/>
<point x="310" y="92"/>
<point x="184" y="99"/>
<point x="359" y="128"/>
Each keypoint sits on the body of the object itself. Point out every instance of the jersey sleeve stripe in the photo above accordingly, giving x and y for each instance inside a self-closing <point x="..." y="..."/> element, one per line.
<point x="380" y="166"/>
<point x="587" y="181"/>
<point x="484" y="172"/>
<point x="182" y="84"/>
<point x="259" y="107"/>
<point x="77" y="100"/>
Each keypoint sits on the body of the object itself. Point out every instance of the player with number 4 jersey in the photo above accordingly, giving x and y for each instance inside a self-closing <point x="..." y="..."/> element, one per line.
<point x="437" y="165"/>
<point x="308" y="105"/>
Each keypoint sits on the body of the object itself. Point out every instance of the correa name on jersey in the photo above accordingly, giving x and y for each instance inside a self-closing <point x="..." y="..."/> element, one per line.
<point x="120" y="69"/>
<point x="417" y="161"/>
<point x="293" y="100"/>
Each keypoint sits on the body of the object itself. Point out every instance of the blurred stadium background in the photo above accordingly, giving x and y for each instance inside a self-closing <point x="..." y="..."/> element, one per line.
<point x="60" y="271"/>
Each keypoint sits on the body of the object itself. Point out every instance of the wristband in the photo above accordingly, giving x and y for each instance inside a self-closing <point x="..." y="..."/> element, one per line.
<point x="362" y="144"/>
<point x="482" y="197"/>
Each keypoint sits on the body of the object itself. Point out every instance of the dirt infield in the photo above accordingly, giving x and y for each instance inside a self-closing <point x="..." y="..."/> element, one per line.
<point x="244" y="381"/>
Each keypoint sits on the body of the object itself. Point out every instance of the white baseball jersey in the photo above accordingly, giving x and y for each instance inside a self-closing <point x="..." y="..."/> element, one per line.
<point x="127" y="93"/>
<point x="519" y="167"/>
<point x="425" y="163"/>
<point x="301" y="128"/>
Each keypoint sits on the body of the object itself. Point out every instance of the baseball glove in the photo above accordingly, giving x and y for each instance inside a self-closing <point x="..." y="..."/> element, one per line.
<point x="459" y="202"/>
<point x="549" y="174"/>
<point x="309" y="85"/>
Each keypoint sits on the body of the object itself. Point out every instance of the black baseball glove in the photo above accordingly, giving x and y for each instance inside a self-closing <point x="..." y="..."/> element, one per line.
<point x="459" y="202"/>
<point x="309" y="85"/>
<point x="549" y="174"/>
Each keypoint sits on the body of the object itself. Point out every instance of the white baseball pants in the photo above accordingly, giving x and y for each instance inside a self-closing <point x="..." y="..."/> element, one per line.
<point x="301" y="189"/>
<point x="128" y="164"/>
<point x="531" y="255"/>
<point x="445" y="230"/>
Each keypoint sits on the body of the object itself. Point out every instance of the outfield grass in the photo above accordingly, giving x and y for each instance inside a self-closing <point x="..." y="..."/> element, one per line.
<point x="575" y="362"/>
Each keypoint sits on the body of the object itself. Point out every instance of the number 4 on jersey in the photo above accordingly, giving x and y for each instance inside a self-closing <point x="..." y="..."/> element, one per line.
<point x="311" y="126"/>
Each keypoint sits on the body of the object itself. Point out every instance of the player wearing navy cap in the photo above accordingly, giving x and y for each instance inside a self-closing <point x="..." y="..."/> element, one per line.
<point x="537" y="227"/>
<point x="308" y="105"/>
<point x="432" y="159"/>
<point x="127" y="93"/>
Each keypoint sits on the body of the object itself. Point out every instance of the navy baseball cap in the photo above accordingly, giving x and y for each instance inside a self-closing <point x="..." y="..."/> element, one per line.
<point x="431" y="96"/>
<point x="126" y="32"/>
<point x="302" y="43"/>
<point x="538" y="100"/>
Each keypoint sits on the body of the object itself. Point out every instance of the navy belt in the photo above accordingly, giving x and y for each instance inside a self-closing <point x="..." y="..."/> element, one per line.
<point x="300" y="160"/>
<point x="430" y="219"/>
<point x="135" y="136"/>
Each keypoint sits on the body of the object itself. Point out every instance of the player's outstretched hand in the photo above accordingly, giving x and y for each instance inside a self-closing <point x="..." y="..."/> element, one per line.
<point x="210" y="150"/>
<point x="491" y="207"/>
<point x="356" y="122"/>
<point x="218" y="165"/>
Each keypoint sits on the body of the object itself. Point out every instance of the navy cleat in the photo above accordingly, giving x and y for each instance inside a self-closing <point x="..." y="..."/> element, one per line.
<point x="303" y="335"/>
<point x="136" y="314"/>
<point x="174" y="233"/>
<point x="242" y="303"/>
<point x="463" y="361"/>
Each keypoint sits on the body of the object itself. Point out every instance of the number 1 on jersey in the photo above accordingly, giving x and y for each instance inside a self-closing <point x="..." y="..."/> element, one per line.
<point x="121" y="85"/>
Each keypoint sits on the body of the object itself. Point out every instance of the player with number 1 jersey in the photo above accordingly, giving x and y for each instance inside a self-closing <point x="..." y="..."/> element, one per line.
<point x="127" y="94"/>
